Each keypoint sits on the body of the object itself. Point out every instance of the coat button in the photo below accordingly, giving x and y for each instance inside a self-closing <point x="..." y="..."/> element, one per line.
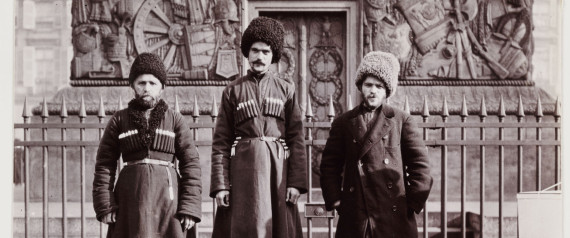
<point x="351" y="189"/>
<point x="390" y="185"/>
<point x="394" y="208"/>
<point x="354" y="141"/>
<point x="386" y="161"/>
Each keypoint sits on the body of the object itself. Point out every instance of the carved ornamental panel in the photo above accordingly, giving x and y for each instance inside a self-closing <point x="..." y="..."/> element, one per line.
<point x="487" y="41"/>
<point x="198" y="40"/>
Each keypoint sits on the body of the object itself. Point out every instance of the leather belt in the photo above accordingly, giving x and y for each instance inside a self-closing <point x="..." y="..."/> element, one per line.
<point x="261" y="138"/>
<point x="149" y="161"/>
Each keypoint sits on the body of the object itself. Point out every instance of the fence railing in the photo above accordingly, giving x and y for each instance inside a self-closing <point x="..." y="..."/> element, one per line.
<point x="471" y="137"/>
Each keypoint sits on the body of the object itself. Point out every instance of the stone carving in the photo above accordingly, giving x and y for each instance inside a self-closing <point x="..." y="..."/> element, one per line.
<point x="190" y="35"/>
<point x="452" y="39"/>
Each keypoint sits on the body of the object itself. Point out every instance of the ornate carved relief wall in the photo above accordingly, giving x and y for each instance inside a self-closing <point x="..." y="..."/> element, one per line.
<point x="198" y="39"/>
<point x="483" y="41"/>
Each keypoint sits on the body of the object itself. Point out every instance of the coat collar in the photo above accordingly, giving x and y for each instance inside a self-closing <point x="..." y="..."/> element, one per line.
<point x="381" y="127"/>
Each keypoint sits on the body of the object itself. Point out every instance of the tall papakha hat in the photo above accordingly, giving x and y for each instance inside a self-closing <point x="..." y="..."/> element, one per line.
<point x="267" y="30"/>
<point x="148" y="63"/>
<point x="383" y="66"/>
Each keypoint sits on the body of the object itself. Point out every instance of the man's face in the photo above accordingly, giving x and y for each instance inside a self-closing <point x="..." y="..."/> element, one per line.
<point x="373" y="92"/>
<point x="260" y="56"/>
<point x="147" y="89"/>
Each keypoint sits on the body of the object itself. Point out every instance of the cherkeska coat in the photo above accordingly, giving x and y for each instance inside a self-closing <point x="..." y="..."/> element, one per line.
<point x="376" y="194"/>
<point x="148" y="199"/>
<point x="253" y="112"/>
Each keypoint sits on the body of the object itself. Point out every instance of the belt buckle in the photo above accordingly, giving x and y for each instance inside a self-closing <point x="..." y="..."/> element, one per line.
<point x="263" y="138"/>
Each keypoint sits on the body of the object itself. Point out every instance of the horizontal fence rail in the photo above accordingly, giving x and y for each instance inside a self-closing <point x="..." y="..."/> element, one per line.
<point x="470" y="138"/>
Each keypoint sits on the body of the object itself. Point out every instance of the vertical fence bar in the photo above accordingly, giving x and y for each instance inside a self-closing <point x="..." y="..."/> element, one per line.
<point x="195" y="118"/>
<point x="425" y="137"/>
<point x="63" y="116"/>
<point x="538" y="147"/>
<point x="520" y="116"/>
<point x="82" y="116"/>
<point x="214" y="115"/>
<point x="501" y="116"/>
<point x="309" y="117"/>
<point x="463" y="116"/>
<point x="482" y="115"/>
<point x="26" y="114"/>
<point x="557" y="165"/>
<point x="45" y="182"/>
<point x="444" y="116"/>
<point x="101" y="116"/>
<point x="331" y="115"/>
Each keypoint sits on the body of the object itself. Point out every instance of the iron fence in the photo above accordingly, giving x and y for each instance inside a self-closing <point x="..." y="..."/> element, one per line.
<point x="470" y="131"/>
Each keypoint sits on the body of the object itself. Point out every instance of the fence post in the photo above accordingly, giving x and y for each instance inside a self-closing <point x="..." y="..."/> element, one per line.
<point x="309" y="117"/>
<point x="45" y="192"/>
<point x="444" y="116"/>
<point x="520" y="116"/>
<point x="82" y="116"/>
<point x="482" y="115"/>
<point x="501" y="116"/>
<point x="63" y="116"/>
<point x="538" y="116"/>
<point x="26" y="114"/>
<point x="464" y="113"/>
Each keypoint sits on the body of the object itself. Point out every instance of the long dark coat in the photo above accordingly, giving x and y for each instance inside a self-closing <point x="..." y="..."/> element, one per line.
<point x="375" y="193"/>
<point x="142" y="199"/>
<point x="260" y="172"/>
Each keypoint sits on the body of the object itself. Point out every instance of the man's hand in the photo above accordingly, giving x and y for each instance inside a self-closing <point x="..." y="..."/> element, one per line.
<point x="110" y="218"/>
<point x="223" y="198"/>
<point x="187" y="222"/>
<point x="293" y="195"/>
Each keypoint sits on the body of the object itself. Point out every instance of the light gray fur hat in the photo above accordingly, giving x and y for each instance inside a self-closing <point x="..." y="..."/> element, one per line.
<point x="382" y="65"/>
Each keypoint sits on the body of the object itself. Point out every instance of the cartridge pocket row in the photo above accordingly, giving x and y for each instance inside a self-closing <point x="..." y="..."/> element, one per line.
<point x="273" y="107"/>
<point x="246" y="110"/>
<point x="130" y="141"/>
<point x="164" y="141"/>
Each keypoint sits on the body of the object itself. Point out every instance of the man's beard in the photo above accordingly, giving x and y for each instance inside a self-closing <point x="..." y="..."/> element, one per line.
<point x="146" y="101"/>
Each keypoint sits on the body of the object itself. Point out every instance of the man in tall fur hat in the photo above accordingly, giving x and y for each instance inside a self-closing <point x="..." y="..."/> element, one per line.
<point x="258" y="154"/>
<point x="382" y="155"/>
<point x="151" y="197"/>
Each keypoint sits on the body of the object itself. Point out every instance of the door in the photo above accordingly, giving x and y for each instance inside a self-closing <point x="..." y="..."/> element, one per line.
<point x="315" y="58"/>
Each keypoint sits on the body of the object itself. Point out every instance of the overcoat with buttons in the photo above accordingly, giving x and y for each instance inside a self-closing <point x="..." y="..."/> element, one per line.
<point x="386" y="173"/>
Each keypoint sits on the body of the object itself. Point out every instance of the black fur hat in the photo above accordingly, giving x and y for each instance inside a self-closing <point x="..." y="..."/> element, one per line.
<point x="267" y="30"/>
<point x="148" y="63"/>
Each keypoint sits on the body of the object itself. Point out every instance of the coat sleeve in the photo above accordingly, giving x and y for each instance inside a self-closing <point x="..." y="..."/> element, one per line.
<point x="414" y="154"/>
<point x="295" y="139"/>
<point x="332" y="163"/>
<point x="105" y="169"/>
<point x="221" y="146"/>
<point x="190" y="185"/>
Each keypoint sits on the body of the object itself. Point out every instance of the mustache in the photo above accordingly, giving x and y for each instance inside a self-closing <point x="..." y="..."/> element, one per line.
<point x="258" y="62"/>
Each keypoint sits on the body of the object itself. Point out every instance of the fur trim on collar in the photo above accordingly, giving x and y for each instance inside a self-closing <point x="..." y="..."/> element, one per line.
<point x="146" y="130"/>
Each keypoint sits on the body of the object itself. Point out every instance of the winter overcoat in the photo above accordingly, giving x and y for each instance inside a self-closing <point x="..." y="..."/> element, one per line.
<point x="148" y="199"/>
<point x="386" y="174"/>
<point x="259" y="120"/>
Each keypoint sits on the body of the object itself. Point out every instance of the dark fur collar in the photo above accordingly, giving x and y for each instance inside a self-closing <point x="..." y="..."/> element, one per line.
<point x="146" y="130"/>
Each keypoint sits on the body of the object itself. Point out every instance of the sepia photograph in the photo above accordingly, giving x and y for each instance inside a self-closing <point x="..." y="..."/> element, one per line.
<point x="286" y="119"/>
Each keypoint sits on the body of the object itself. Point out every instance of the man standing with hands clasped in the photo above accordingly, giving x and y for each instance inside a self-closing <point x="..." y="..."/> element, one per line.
<point x="381" y="152"/>
<point x="258" y="153"/>
<point x="150" y="198"/>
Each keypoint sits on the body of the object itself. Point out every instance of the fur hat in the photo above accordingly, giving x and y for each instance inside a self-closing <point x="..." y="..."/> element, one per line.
<point x="148" y="63"/>
<point x="266" y="30"/>
<point x="382" y="65"/>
